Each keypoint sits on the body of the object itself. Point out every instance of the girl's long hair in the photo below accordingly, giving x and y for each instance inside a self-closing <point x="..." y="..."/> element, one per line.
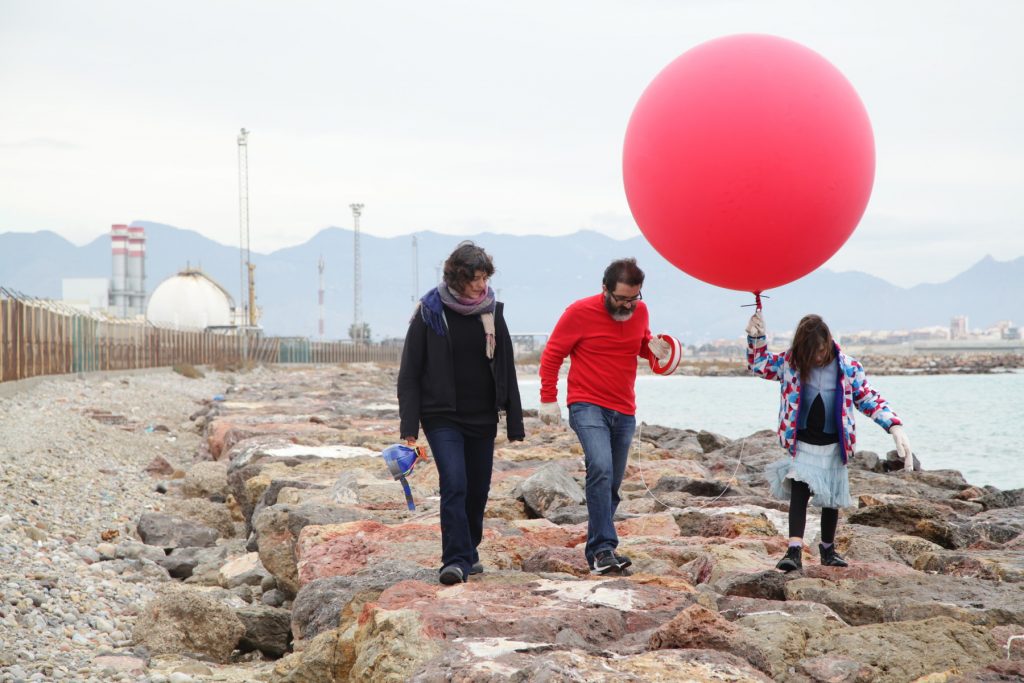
<point x="811" y="334"/>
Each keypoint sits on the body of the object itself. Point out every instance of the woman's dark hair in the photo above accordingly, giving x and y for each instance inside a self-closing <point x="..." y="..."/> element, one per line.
<point x="811" y="335"/>
<point x="461" y="267"/>
<point x="625" y="271"/>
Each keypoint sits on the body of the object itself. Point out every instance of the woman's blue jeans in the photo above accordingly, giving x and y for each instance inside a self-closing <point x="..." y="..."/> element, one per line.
<point x="605" y="435"/>
<point x="464" y="465"/>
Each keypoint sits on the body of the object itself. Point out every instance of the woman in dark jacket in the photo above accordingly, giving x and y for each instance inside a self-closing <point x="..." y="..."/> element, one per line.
<point x="457" y="373"/>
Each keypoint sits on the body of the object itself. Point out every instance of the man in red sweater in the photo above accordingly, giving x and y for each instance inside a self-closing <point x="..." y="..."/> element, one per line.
<point x="603" y="335"/>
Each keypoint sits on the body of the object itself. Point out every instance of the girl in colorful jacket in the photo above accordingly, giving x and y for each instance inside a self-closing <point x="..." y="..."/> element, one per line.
<point x="820" y="388"/>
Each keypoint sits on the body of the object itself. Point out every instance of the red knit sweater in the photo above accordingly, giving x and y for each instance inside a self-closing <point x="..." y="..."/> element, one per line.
<point x="602" y="354"/>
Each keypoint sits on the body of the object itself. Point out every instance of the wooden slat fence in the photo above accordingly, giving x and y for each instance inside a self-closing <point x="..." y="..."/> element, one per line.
<point x="45" y="338"/>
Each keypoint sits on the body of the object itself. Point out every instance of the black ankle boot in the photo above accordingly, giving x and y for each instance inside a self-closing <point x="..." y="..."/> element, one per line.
<point x="792" y="561"/>
<point x="829" y="556"/>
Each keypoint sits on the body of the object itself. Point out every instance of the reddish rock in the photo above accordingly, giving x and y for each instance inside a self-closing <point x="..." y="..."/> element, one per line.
<point x="159" y="467"/>
<point x="541" y="531"/>
<point x="602" y="612"/>
<point x="856" y="571"/>
<point x="345" y="549"/>
<point x="696" y="627"/>
<point x="661" y="524"/>
<point x="563" y="560"/>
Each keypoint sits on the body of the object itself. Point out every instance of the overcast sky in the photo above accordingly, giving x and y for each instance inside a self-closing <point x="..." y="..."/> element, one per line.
<point x="469" y="116"/>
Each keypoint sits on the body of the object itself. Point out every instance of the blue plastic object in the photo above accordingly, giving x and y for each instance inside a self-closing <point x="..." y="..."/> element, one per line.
<point x="400" y="461"/>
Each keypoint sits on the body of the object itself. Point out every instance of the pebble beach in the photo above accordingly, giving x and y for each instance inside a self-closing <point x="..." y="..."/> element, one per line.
<point x="73" y="481"/>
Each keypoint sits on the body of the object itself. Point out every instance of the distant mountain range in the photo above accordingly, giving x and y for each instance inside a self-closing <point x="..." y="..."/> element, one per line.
<point x="536" y="278"/>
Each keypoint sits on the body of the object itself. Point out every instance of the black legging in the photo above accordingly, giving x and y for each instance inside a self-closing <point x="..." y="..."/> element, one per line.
<point x="799" y="495"/>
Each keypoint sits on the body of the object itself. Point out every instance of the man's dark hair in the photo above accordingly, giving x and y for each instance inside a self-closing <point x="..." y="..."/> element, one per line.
<point x="625" y="271"/>
<point x="461" y="267"/>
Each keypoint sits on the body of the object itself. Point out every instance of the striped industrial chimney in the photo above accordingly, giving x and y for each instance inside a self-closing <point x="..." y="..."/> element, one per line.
<point x="136" y="270"/>
<point x="119" y="255"/>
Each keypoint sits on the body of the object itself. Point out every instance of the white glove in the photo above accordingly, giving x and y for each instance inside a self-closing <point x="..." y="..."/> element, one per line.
<point x="661" y="349"/>
<point x="903" y="447"/>
<point x="550" y="413"/>
<point x="755" y="328"/>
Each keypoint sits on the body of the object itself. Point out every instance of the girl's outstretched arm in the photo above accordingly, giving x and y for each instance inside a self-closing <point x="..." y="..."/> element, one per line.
<point x="760" y="360"/>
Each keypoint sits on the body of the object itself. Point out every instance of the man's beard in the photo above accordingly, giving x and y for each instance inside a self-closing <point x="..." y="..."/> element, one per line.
<point x="617" y="314"/>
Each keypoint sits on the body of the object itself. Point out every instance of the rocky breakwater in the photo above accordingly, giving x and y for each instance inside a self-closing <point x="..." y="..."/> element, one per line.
<point x="293" y="549"/>
<point x="943" y="364"/>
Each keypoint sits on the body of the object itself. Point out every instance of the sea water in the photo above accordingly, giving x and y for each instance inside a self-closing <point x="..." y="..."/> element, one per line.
<point x="970" y="423"/>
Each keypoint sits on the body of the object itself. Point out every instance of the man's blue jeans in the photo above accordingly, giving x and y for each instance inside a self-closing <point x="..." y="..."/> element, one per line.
<point x="605" y="435"/>
<point x="464" y="466"/>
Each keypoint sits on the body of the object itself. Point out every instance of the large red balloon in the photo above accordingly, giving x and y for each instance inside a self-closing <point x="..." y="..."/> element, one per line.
<point x="748" y="161"/>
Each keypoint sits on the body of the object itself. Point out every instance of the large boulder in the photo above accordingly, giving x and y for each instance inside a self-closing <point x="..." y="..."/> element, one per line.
<point x="993" y="565"/>
<point x="550" y="488"/>
<point x="908" y="650"/>
<point x="319" y="604"/>
<point x="169" y="531"/>
<point x="932" y="522"/>
<point x="277" y="530"/>
<point x="206" y="480"/>
<point x="503" y="659"/>
<point x="326" y="659"/>
<point x="205" y="512"/>
<point x="267" y="630"/>
<point x="724" y="522"/>
<point x="184" y="621"/>
<point x="914" y="596"/>
<point x="244" y="570"/>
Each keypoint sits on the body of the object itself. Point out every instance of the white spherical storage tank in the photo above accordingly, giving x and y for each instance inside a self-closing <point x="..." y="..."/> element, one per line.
<point x="189" y="300"/>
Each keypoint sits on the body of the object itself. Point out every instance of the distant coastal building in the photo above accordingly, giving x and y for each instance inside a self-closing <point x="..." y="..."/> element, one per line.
<point x="190" y="300"/>
<point x="958" y="327"/>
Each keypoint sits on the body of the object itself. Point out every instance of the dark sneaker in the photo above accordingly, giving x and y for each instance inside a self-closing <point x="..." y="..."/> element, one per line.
<point x="830" y="558"/>
<point x="623" y="561"/>
<point x="604" y="562"/>
<point x="451" y="575"/>
<point x="792" y="561"/>
<point x="477" y="568"/>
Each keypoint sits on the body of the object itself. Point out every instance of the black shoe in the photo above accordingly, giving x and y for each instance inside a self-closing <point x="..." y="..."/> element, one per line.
<point x="605" y="561"/>
<point x="829" y="556"/>
<point x="623" y="561"/>
<point x="477" y="568"/>
<point x="451" y="575"/>
<point x="792" y="561"/>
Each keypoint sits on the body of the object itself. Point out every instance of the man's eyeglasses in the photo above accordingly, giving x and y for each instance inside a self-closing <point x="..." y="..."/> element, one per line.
<point x="626" y="299"/>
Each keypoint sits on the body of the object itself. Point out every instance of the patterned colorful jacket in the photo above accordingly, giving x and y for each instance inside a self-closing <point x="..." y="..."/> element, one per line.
<point x="853" y="390"/>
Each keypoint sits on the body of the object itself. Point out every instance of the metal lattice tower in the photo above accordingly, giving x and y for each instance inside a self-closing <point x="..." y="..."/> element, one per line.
<point x="320" y="294"/>
<point x="357" y="273"/>
<point x="243" y="220"/>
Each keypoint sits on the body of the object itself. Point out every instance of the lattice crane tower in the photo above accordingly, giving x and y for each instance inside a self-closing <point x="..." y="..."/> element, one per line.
<point x="357" y="273"/>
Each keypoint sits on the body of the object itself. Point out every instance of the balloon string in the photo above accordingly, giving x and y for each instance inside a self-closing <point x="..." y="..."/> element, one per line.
<point x="757" y="300"/>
